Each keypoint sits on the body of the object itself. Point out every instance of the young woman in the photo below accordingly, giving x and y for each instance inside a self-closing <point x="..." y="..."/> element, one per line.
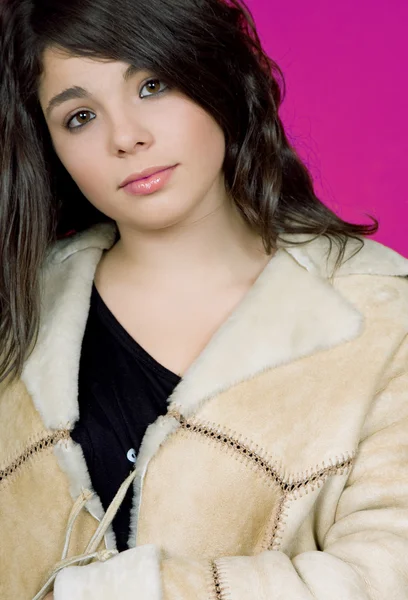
<point x="204" y="388"/>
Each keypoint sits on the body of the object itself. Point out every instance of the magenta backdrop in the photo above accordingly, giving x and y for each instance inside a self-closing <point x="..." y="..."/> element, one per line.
<point x="345" y="65"/>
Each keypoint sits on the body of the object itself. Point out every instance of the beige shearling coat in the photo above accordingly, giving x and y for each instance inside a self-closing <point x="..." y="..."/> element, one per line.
<point x="280" y="471"/>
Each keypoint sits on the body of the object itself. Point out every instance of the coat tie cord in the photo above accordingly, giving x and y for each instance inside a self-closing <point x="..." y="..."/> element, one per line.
<point x="91" y="549"/>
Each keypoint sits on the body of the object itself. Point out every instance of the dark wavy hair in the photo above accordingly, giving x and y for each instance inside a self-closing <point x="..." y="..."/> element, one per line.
<point x="209" y="50"/>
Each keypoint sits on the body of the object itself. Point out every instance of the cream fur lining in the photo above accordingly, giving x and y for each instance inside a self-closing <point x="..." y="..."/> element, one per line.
<point x="134" y="573"/>
<point x="156" y="434"/>
<point x="71" y="460"/>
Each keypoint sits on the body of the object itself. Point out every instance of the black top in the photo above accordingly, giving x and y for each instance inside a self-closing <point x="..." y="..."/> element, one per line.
<point x="122" y="390"/>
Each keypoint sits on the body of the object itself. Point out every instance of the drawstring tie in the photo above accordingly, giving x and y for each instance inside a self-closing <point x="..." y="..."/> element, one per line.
<point x="90" y="552"/>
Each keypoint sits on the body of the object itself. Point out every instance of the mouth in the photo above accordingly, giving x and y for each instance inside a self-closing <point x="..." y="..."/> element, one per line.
<point x="149" y="185"/>
<point x="143" y="175"/>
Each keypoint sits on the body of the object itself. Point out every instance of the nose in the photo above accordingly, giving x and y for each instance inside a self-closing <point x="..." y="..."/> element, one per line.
<point x="127" y="133"/>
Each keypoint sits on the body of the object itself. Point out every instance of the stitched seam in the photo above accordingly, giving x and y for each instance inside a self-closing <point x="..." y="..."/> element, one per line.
<point x="293" y="485"/>
<point x="220" y="585"/>
<point x="32" y="450"/>
<point x="315" y="478"/>
<point x="240" y="448"/>
<point x="216" y="579"/>
<point x="278" y="524"/>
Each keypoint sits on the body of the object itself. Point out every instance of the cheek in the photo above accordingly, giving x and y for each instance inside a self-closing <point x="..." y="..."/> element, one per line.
<point x="84" y="164"/>
<point x="209" y="141"/>
<point x="199" y="137"/>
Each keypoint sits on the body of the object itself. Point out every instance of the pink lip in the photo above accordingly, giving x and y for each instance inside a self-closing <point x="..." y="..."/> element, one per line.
<point x="143" y="174"/>
<point x="149" y="185"/>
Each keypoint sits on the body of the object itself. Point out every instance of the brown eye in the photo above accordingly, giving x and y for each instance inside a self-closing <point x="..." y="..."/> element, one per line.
<point x="80" y="119"/>
<point x="153" y="87"/>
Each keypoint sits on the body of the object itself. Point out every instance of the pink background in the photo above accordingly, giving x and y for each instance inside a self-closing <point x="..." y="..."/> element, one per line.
<point x="345" y="65"/>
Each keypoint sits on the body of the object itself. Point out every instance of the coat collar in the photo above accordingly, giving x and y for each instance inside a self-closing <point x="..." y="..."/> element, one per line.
<point x="291" y="311"/>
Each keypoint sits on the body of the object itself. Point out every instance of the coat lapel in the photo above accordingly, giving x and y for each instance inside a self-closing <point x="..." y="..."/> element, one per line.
<point x="291" y="311"/>
<point x="288" y="313"/>
<point x="51" y="372"/>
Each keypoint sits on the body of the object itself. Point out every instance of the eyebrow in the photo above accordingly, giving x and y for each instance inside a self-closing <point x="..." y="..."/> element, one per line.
<point x="75" y="92"/>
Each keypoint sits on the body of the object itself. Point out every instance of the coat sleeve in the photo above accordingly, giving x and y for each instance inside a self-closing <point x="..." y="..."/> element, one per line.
<point x="364" y="555"/>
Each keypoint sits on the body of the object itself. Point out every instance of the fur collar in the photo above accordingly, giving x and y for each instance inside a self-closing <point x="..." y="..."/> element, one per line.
<point x="291" y="311"/>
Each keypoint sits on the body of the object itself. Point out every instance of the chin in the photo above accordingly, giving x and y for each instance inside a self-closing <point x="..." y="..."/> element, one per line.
<point x="157" y="218"/>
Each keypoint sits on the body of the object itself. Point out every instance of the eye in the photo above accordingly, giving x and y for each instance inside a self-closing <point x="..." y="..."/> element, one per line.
<point x="153" y="85"/>
<point x="80" y="119"/>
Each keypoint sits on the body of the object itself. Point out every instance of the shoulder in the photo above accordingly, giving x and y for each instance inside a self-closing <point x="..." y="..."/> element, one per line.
<point x="361" y="257"/>
<point x="371" y="276"/>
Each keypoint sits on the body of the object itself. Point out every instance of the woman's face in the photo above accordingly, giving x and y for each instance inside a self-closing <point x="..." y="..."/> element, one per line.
<point x="116" y="126"/>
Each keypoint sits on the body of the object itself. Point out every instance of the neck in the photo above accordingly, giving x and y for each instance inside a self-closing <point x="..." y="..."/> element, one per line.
<point x="218" y="247"/>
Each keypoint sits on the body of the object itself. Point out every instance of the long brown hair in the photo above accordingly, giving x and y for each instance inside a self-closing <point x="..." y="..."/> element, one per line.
<point x="208" y="49"/>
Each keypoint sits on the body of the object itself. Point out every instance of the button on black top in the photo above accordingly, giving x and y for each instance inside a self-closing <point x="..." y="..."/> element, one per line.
<point x="122" y="390"/>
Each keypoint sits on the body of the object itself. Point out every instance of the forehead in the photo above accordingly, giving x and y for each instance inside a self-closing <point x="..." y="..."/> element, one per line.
<point x="61" y="69"/>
